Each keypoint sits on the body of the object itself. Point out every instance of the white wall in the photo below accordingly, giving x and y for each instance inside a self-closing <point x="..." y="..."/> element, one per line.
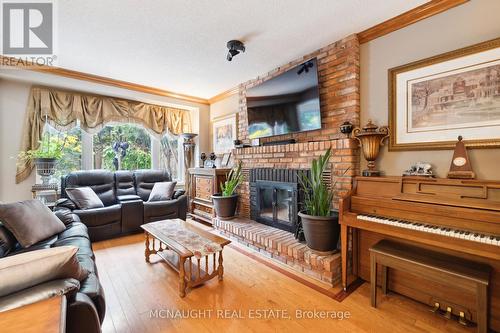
<point x="14" y="91"/>
<point x="465" y="25"/>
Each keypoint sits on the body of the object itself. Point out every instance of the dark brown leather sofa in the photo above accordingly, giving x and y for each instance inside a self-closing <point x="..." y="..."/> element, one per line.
<point x="86" y="306"/>
<point x="125" y="197"/>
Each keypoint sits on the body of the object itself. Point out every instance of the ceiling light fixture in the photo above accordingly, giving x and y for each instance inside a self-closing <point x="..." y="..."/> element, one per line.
<point x="305" y="67"/>
<point x="235" y="47"/>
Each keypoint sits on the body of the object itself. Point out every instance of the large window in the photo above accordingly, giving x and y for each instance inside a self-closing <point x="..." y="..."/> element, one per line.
<point x="122" y="147"/>
<point x="171" y="158"/>
<point x="70" y="144"/>
<point x="116" y="147"/>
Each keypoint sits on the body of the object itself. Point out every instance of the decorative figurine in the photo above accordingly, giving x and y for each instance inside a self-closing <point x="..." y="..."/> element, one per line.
<point x="213" y="157"/>
<point x="371" y="137"/>
<point x="346" y="128"/>
<point x="419" y="169"/>
<point x="203" y="158"/>
<point x="460" y="167"/>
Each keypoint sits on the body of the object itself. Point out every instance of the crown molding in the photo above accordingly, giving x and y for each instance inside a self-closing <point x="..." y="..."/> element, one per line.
<point x="223" y="95"/>
<point x="20" y="64"/>
<point x="414" y="15"/>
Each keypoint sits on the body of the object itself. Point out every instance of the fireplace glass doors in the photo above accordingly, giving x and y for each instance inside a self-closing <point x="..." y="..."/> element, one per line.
<point x="277" y="204"/>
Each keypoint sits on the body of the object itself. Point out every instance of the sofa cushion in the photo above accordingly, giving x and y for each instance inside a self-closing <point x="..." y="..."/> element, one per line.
<point x="39" y="292"/>
<point x="82" y="243"/>
<point x="124" y="183"/>
<point x="30" y="221"/>
<point x="101" y="181"/>
<point x="99" y="216"/>
<point x="74" y="229"/>
<point x="29" y="269"/>
<point x="7" y="241"/>
<point x="84" y="197"/>
<point x="146" y="179"/>
<point x="160" y="210"/>
<point x="162" y="191"/>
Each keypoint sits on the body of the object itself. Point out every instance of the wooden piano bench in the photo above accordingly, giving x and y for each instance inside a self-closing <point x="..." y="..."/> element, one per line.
<point x="434" y="266"/>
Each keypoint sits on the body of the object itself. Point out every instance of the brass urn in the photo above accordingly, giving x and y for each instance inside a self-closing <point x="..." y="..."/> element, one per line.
<point x="371" y="137"/>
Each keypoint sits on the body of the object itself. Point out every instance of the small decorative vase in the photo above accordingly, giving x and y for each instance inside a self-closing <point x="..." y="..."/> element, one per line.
<point x="346" y="128"/>
<point x="203" y="158"/>
<point x="371" y="137"/>
<point x="213" y="157"/>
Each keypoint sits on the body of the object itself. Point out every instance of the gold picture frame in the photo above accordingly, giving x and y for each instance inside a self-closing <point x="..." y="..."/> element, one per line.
<point x="406" y="82"/>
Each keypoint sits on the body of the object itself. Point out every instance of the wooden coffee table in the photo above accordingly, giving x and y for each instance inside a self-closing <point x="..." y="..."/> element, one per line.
<point x="192" y="271"/>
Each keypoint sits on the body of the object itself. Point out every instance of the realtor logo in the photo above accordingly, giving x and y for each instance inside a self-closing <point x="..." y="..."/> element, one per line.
<point x="28" y="28"/>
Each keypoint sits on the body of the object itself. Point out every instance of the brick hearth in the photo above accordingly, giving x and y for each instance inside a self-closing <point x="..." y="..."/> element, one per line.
<point x="282" y="246"/>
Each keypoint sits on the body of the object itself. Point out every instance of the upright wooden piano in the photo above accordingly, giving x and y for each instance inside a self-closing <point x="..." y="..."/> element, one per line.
<point x="457" y="217"/>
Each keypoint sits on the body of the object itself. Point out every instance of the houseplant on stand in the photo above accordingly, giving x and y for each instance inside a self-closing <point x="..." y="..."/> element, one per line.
<point x="225" y="202"/>
<point x="45" y="157"/>
<point x="320" y="224"/>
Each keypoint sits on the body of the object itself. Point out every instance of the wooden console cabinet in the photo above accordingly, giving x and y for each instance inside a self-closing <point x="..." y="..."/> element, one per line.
<point x="203" y="183"/>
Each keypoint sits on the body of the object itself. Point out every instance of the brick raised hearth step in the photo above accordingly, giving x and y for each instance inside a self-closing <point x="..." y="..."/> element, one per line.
<point x="282" y="246"/>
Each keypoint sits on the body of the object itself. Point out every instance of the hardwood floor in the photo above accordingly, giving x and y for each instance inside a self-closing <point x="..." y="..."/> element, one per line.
<point x="134" y="288"/>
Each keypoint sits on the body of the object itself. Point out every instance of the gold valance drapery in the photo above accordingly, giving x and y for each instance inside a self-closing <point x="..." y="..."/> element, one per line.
<point x="63" y="109"/>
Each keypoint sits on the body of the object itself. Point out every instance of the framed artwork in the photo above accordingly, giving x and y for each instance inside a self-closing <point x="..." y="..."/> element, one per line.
<point x="225" y="160"/>
<point x="224" y="133"/>
<point x="433" y="101"/>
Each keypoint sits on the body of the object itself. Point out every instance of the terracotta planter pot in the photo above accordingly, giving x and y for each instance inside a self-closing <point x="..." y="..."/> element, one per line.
<point x="321" y="232"/>
<point x="225" y="207"/>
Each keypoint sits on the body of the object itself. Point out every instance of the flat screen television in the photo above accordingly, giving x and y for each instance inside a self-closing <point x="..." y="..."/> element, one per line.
<point x="287" y="103"/>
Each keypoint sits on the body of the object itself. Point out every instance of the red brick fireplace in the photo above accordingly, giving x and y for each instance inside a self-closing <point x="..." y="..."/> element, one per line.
<point x="338" y="74"/>
<point x="338" y="66"/>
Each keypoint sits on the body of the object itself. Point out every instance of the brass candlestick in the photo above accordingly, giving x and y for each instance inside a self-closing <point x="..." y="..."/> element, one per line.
<point x="371" y="137"/>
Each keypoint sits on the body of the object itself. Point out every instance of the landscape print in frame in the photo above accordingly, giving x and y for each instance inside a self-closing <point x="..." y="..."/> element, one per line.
<point x="435" y="100"/>
<point x="224" y="133"/>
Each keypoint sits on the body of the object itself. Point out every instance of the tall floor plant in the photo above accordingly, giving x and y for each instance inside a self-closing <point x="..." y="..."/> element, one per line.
<point x="317" y="196"/>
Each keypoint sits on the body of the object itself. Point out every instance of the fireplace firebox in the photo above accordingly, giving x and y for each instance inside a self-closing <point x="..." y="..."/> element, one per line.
<point x="277" y="204"/>
<point x="275" y="198"/>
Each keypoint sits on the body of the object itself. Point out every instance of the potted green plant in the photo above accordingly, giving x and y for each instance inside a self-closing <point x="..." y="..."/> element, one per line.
<point x="225" y="202"/>
<point x="45" y="157"/>
<point x="319" y="222"/>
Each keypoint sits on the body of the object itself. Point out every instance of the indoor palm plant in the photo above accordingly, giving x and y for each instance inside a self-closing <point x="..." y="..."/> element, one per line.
<point x="319" y="222"/>
<point x="226" y="201"/>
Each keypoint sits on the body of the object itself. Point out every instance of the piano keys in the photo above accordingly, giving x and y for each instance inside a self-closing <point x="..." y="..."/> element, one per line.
<point x="459" y="217"/>
<point x="434" y="229"/>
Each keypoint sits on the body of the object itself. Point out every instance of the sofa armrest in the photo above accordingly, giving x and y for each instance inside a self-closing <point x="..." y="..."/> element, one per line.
<point x="65" y="203"/>
<point x="66" y="215"/>
<point x="128" y="197"/>
<point x="39" y="292"/>
<point x="82" y="315"/>
<point x="178" y="193"/>
<point x="183" y="206"/>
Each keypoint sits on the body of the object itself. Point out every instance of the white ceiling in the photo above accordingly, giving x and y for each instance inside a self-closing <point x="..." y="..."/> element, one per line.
<point x="180" y="45"/>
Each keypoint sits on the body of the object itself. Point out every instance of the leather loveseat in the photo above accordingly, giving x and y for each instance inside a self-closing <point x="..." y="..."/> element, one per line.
<point x="85" y="305"/>
<point x="125" y="197"/>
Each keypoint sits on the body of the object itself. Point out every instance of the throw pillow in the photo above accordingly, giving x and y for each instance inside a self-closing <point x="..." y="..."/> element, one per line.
<point x="84" y="197"/>
<point x="30" y="221"/>
<point x="162" y="191"/>
<point x="7" y="241"/>
<point x="32" y="268"/>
